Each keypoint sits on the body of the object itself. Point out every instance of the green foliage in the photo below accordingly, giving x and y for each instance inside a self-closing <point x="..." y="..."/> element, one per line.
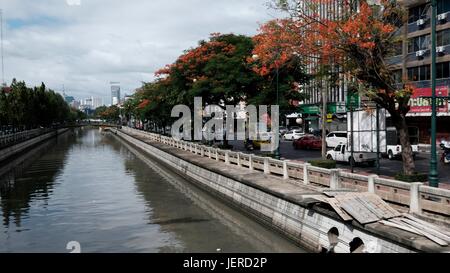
<point x="218" y="71"/>
<point x="111" y="114"/>
<point x="327" y="164"/>
<point x="33" y="107"/>
<point x="416" y="177"/>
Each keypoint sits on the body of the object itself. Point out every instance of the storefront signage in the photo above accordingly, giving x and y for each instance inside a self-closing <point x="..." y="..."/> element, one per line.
<point x="420" y="104"/>
<point x="310" y="109"/>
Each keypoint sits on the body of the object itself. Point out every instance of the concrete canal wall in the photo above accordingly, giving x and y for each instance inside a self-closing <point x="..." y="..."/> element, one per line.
<point x="13" y="150"/>
<point x="275" y="202"/>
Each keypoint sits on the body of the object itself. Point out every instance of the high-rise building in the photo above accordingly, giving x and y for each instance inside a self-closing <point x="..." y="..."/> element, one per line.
<point x="115" y="93"/>
<point x="411" y="63"/>
<point x="97" y="102"/>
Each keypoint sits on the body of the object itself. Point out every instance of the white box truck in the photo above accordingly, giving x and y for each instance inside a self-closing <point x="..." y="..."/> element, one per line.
<point x="364" y="134"/>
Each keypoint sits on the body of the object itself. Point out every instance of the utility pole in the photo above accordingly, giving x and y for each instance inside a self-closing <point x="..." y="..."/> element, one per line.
<point x="434" y="176"/>
<point x="324" y="119"/>
<point x="378" y="139"/>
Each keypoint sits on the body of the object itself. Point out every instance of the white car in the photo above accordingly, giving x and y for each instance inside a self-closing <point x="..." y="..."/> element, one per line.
<point x="293" y="135"/>
<point x="335" y="138"/>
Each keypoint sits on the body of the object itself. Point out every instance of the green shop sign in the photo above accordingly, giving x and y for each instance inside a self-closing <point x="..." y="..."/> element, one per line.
<point x="332" y="108"/>
<point x="353" y="100"/>
<point x="310" y="109"/>
<point x="336" y="108"/>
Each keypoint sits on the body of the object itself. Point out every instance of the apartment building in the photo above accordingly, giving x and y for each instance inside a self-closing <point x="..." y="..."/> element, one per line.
<point x="411" y="63"/>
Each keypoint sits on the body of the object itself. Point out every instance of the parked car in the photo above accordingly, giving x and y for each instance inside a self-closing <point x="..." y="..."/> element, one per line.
<point x="342" y="154"/>
<point x="293" y="135"/>
<point x="335" y="138"/>
<point x="308" y="142"/>
<point x="394" y="149"/>
<point x="283" y="130"/>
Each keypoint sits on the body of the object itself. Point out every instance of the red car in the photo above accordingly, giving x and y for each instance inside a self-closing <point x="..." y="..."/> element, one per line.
<point x="308" y="142"/>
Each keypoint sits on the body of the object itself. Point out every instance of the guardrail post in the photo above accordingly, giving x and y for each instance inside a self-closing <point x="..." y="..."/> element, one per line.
<point x="227" y="157"/>
<point x="305" y="173"/>
<point x="414" y="203"/>
<point x="202" y="151"/>
<point x="266" y="165"/>
<point x="250" y="162"/>
<point x="209" y="153"/>
<point x="334" y="179"/>
<point x="285" y="171"/>
<point x="371" y="183"/>
<point x="217" y="155"/>
<point x="238" y="159"/>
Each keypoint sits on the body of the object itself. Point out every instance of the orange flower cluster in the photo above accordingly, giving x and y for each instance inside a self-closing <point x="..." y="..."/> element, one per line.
<point x="275" y="45"/>
<point x="143" y="104"/>
<point x="198" y="56"/>
<point x="319" y="40"/>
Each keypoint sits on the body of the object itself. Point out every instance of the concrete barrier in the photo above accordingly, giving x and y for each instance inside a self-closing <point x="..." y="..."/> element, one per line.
<point x="271" y="202"/>
<point x="10" y="151"/>
<point x="431" y="200"/>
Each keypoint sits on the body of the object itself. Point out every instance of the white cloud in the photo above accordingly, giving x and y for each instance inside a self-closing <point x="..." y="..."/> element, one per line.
<point x="85" y="46"/>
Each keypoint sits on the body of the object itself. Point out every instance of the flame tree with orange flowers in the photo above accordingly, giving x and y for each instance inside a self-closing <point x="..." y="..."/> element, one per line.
<point x="355" y="36"/>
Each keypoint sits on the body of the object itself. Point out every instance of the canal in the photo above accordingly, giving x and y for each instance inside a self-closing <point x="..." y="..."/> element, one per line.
<point x="90" y="188"/>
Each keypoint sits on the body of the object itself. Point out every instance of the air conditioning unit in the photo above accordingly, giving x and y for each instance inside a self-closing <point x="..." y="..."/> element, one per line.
<point x="421" y="22"/>
<point x="440" y="49"/>
<point x="442" y="17"/>
<point x="421" y="53"/>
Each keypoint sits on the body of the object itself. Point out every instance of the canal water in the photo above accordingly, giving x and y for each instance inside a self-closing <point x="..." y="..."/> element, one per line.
<point x="90" y="188"/>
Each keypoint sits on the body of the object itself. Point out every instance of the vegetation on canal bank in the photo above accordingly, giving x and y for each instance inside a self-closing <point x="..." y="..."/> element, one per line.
<point x="25" y="107"/>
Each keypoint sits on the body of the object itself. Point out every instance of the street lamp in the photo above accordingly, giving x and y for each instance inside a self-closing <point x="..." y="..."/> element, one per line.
<point x="433" y="176"/>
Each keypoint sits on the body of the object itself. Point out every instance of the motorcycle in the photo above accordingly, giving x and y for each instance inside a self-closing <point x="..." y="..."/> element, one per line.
<point x="249" y="145"/>
<point x="445" y="145"/>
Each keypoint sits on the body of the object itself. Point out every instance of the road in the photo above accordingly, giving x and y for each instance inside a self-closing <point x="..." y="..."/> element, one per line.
<point x="388" y="168"/>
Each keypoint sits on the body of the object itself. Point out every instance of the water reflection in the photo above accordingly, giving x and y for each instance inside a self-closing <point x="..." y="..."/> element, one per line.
<point x="91" y="188"/>
<point x="29" y="177"/>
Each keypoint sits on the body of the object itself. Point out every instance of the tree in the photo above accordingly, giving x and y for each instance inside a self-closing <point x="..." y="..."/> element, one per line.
<point x="111" y="113"/>
<point x="277" y="65"/>
<point x="216" y="70"/>
<point x="32" y="107"/>
<point x="358" y="40"/>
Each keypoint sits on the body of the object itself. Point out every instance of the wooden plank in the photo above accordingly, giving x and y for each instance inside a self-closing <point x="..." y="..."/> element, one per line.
<point x="337" y="207"/>
<point x="358" y="211"/>
<point x="389" y="212"/>
<point x="402" y="227"/>
<point x="421" y="232"/>
<point x="379" y="213"/>
<point x="424" y="223"/>
<point x="433" y="232"/>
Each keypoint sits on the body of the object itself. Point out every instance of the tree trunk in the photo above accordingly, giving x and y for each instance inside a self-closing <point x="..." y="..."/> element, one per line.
<point x="409" y="165"/>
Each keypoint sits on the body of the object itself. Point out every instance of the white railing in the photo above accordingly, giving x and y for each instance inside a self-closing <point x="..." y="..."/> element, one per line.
<point x="417" y="196"/>
<point x="11" y="139"/>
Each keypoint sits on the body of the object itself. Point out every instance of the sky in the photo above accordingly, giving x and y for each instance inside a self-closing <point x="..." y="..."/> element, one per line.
<point x="84" y="45"/>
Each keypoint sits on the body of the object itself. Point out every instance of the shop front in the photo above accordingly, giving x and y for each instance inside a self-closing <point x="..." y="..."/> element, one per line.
<point x="420" y="113"/>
